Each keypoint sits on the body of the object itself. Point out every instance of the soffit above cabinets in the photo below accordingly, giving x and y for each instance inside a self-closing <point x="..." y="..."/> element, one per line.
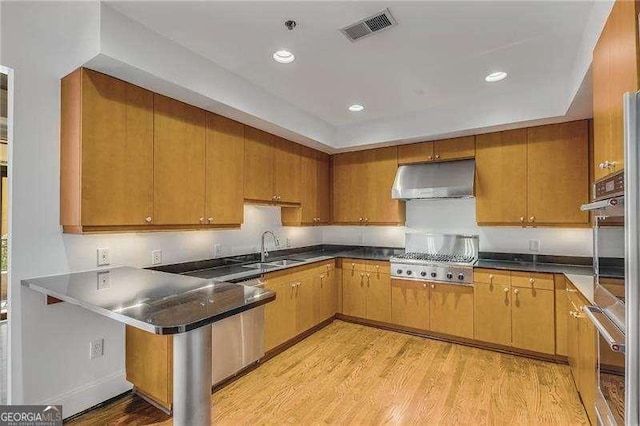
<point x="423" y="78"/>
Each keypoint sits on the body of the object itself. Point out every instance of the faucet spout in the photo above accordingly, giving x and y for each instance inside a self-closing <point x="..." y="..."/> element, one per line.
<point x="263" y="251"/>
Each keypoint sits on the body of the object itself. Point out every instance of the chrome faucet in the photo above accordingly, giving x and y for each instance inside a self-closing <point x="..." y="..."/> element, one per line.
<point x="263" y="252"/>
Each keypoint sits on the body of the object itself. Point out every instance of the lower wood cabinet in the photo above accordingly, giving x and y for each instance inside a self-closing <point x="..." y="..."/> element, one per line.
<point x="366" y="290"/>
<point x="305" y="297"/>
<point x="410" y="304"/>
<point x="451" y="310"/>
<point x="515" y="309"/>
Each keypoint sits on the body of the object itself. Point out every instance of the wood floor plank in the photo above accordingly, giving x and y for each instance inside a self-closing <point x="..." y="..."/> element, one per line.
<point x="353" y="374"/>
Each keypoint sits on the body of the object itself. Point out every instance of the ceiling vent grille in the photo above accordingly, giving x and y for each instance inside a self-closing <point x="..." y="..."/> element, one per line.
<point x="373" y="24"/>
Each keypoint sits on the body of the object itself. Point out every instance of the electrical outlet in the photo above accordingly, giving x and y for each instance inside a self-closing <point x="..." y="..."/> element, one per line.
<point x="288" y="242"/>
<point x="104" y="258"/>
<point x="156" y="257"/>
<point x="217" y="250"/>
<point x="96" y="348"/>
<point x="534" y="245"/>
<point x="104" y="280"/>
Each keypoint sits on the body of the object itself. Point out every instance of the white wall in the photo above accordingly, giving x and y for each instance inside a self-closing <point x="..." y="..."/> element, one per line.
<point x="458" y="216"/>
<point x="43" y="42"/>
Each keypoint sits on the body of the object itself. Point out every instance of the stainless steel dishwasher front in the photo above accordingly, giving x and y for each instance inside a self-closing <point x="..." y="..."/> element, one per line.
<point x="238" y="341"/>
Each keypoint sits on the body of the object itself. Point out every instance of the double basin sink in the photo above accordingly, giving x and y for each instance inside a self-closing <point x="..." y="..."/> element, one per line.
<point x="274" y="265"/>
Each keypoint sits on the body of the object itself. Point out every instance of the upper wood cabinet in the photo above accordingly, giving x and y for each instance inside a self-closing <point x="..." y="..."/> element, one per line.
<point x="534" y="176"/>
<point x="362" y="182"/>
<point x="558" y="173"/>
<point x="106" y="170"/>
<point x="178" y="163"/>
<point x="615" y="71"/>
<point x="224" y="171"/>
<point x="441" y="150"/>
<point x="272" y="168"/>
<point x="314" y="191"/>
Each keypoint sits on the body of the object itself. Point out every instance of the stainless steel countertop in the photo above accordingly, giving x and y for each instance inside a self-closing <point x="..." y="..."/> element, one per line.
<point x="157" y="302"/>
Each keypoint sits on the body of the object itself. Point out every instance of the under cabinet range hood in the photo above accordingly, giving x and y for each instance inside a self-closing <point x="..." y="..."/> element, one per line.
<point x="453" y="179"/>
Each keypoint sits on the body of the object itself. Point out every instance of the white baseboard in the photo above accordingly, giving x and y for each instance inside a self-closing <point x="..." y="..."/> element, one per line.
<point x="91" y="394"/>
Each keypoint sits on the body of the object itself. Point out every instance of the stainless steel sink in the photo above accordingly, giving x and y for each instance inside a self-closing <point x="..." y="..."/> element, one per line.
<point x="260" y="265"/>
<point x="286" y="262"/>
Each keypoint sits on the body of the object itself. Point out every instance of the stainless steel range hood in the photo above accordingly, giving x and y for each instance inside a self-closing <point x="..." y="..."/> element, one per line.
<point x="452" y="179"/>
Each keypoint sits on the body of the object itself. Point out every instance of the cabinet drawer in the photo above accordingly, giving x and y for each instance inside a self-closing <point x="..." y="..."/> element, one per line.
<point x="350" y="265"/>
<point x="532" y="280"/>
<point x="379" y="267"/>
<point x="491" y="276"/>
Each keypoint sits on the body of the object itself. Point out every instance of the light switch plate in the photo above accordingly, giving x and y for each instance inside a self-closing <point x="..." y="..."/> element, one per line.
<point x="534" y="245"/>
<point x="156" y="257"/>
<point x="104" y="258"/>
<point x="96" y="348"/>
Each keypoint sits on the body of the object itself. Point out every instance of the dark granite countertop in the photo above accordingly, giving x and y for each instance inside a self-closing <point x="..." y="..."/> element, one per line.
<point x="153" y="301"/>
<point x="550" y="268"/>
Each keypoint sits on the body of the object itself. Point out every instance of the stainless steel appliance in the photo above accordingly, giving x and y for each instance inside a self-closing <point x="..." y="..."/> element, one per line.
<point x="238" y="341"/>
<point x="437" y="257"/>
<point x="616" y="269"/>
<point x="451" y="179"/>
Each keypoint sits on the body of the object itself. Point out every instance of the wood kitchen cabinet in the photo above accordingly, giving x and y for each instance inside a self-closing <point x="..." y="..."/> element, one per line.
<point x="441" y="150"/>
<point x="562" y="319"/>
<point x="314" y="193"/>
<point x="492" y="306"/>
<point x="533" y="177"/>
<point x="325" y="277"/>
<point x="178" y="162"/>
<point x="224" y="167"/>
<point x="366" y="287"/>
<point x="614" y="72"/>
<point x="410" y="304"/>
<point x="362" y="184"/>
<point x="280" y="315"/>
<point x="272" y="168"/>
<point x="106" y="161"/>
<point x="515" y="309"/>
<point x="451" y="310"/>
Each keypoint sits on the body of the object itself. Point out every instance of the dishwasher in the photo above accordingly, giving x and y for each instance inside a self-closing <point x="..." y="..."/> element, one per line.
<point x="238" y="341"/>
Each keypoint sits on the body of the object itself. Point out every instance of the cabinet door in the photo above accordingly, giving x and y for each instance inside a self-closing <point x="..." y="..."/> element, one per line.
<point x="455" y="148"/>
<point x="623" y="71"/>
<point x="558" y="173"/>
<point x="532" y="320"/>
<point x="309" y="185"/>
<point x="224" y="171"/>
<point x="602" y="83"/>
<point x="258" y="165"/>
<point x="178" y="162"/>
<point x="117" y="151"/>
<point x="501" y="177"/>
<point x="573" y="342"/>
<point x="280" y="315"/>
<point x="588" y="364"/>
<point x="354" y="293"/>
<point x="149" y="364"/>
<point x="415" y="153"/>
<point x="451" y="310"/>
<point x="328" y="295"/>
<point x="323" y="201"/>
<point x="286" y="167"/>
<point x="379" y="208"/>
<point x="378" y="296"/>
<point x="562" y="318"/>
<point x="307" y="291"/>
<point x="493" y="313"/>
<point x="349" y="187"/>
<point x="410" y="304"/>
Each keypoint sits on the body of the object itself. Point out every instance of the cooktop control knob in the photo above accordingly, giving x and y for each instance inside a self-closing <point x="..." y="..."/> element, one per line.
<point x="433" y="275"/>
<point x="409" y="272"/>
<point x="461" y="276"/>
<point x="449" y="275"/>
<point x="399" y="271"/>
<point x="423" y="273"/>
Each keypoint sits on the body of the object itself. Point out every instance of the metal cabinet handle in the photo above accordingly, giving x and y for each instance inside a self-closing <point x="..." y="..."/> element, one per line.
<point x="491" y="277"/>
<point x="202" y="220"/>
<point x="516" y="291"/>
<point x="506" y="289"/>
<point x="210" y="220"/>
<point x="430" y="157"/>
<point x="273" y="197"/>
<point x="424" y="285"/>
<point x="437" y="156"/>
<point x="532" y="281"/>
<point x="433" y="286"/>
<point x="366" y="219"/>
<point x="148" y="219"/>
<point x="532" y="219"/>
<point x="360" y="219"/>
<point x="278" y="198"/>
<point x="521" y="218"/>
<point x="611" y="334"/>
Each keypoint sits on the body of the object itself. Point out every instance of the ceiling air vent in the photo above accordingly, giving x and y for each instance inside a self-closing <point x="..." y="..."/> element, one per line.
<point x="373" y="24"/>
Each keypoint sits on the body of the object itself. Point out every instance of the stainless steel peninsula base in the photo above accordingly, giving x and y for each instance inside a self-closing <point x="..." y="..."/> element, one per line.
<point x="162" y="303"/>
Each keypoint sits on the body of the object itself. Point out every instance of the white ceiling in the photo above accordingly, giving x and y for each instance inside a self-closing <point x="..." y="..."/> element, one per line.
<point x="429" y="66"/>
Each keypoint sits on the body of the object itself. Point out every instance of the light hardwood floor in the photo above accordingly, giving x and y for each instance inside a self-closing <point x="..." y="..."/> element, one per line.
<point x="352" y="374"/>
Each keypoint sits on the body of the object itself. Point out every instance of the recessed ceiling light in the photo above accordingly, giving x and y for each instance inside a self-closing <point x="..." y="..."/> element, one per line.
<point x="495" y="76"/>
<point x="356" y="108"/>
<point x="284" y="56"/>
